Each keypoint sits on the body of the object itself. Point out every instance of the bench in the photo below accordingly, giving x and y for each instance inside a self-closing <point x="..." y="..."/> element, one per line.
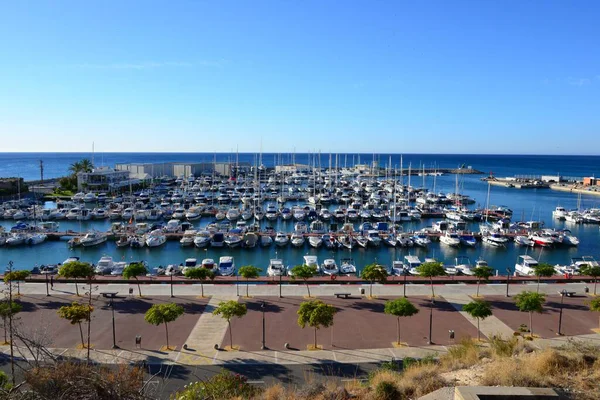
<point x="567" y="293"/>
<point x="109" y="295"/>
<point x="338" y="295"/>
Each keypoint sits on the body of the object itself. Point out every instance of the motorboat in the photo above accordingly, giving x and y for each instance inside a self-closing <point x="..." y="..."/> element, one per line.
<point x="361" y="240"/>
<point x="390" y="241"/>
<point x="526" y="265"/>
<point x="297" y="239"/>
<point x="373" y="238"/>
<point x="404" y="240"/>
<point x="348" y="241"/>
<point x="226" y="266"/>
<point x="35" y="238"/>
<point x="468" y="240"/>
<point x="462" y="264"/>
<point x="271" y="213"/>
<point x="202" y="239"/>
<point x="329" y="267"/>
<point x="265" y="240"/>
<point x="118" y="268"/>
<point x="541" y="239"/>
<point x="347" y="267"/>
<point x="250" y="239"/>
<point x="104" y="266"/>
<point x="156" y="238"/>
<point x="188" y="264"/>
<point x="137" y="241"/>
<point x="560" y="213"/>
<point x="521" y="240"/>
<point x="329" y="242"/>
<point x="276" y="267"/>
<point x="421" y="240"/>
<point x="281" y="239"/>
<point x="93" y="238"/>
<point x="172" y="270"/>
<point x="188" y="238"/>
<point x="232" y="214"/>
<point x="209" y="264"/>
<point x="495" y="239"/>
<point x="411" y="264"/>
<point x="49" y="226"/>
<point x="233" y="240"/>
<point x="315" y="241"/>
<point x="450" y="238"/>
<point x="217" y="239"/>
<point x="568" y="239"/>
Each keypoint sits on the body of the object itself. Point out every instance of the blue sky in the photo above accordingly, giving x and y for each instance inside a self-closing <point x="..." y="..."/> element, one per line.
<point x="371" y="76"/>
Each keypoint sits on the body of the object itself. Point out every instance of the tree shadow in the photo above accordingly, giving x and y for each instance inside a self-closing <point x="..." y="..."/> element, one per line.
<point x="255" y="370"/>
<point x="366" y="305"/>
<point x="328" y="368"/>
<point x="269" y="307"/>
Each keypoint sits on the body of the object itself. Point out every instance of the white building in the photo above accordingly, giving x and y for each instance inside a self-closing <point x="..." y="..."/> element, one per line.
<point x="104" y="178"/>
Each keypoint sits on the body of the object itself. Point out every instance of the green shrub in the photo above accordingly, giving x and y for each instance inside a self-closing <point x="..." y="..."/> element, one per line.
<point x="224" y="385"/>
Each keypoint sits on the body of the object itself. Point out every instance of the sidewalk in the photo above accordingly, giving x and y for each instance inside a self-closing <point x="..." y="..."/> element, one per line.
<point x="210" y="330"/>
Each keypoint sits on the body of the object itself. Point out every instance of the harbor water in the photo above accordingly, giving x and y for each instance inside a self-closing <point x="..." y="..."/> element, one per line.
<point x="527" y="204"/>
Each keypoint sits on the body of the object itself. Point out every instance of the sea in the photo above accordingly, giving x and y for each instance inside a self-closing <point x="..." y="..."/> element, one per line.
<point x="527" y="204"/>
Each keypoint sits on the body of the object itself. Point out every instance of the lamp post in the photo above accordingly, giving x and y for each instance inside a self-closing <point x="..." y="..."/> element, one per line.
<point x="262" y="308"/>
<point x="429" y="342"/>
<point x="112" y="310"/>
<point x="507" y="280"/>
<point x="562" y="299"/>
<point x="172" y="285"/>
<point x="47" y="291"/>
<point x="405" y="272"/>
<point x="280" y="277"/>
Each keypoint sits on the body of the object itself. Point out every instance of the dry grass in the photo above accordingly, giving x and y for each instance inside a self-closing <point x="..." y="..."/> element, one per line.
<point x="463" y="355"/>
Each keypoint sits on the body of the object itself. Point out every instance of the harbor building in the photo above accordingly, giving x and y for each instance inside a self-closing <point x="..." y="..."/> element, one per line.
<point x="154" y="170"/>
<point x="105" y="178"/>
<point x="182" y="169"/>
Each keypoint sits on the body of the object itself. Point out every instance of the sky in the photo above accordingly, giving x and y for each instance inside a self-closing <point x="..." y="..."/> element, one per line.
<point x="337" y="76"/>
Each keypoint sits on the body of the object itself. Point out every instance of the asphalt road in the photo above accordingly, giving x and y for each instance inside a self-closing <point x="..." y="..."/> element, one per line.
<point x="163" y="379"/>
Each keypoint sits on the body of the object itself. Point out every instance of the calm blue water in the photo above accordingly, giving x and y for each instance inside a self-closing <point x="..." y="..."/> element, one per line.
<point x="527" y="204"/>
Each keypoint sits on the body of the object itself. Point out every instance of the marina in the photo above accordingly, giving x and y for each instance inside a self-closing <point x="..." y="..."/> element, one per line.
<point x="331" y="213"/>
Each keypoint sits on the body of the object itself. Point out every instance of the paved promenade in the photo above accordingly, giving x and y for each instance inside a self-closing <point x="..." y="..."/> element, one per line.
<point x="362" y="333"/>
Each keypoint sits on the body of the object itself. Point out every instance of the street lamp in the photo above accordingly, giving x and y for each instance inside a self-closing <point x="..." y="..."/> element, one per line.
<point x="280" y="277"/>
<point x="111" y="304"/>
<point x="405" y="272"/>
<point x="172" y="285"/>
<point x="562" y="299"/>
<point x="507" y="280"/>
<point x="430" y="320"/>
<point x="262" y="308"/>
<point x="47" y="291"/>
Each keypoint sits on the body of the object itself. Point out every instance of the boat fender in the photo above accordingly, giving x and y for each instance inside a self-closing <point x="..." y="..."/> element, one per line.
<point x="333" y="277"/>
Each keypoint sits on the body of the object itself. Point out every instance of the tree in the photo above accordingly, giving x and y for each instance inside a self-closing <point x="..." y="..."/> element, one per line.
<point x="16" y="276"/>
<point x="479" y="310"/>
<point x="163" y="314"/>
<point x="529" y="302"/>
<point x="483" y="272"/>
<point x="133" y="270"/>
<point x="84" y="165"/>
<point x="74" y="270"/>
<point x="7" y="310"/>
<point x="543" y="269"/>
<point x="304" y="272"/>
<point x="374" y="272"/>
<point x="591" y="270"/>
<point x="400" y="308"/>
<point x="76" y="313"/>
<point x="200" y="274"/>
<point x="431" y="270"/>
<point x="315" y="314"/>
<point x="249" y="272"/>
<point x="594" y="306"/>
<point x="228" y="310"/>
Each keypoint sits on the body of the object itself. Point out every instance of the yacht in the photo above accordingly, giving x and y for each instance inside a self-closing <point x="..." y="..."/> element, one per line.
<point x="118" y="268"/>
<point x="521" y="240"/>
<point x="35" y="238"/>
<point x="421" y="240"/>
<point x="209" y="264"/>
<point x="276" y="267"/>
<point x="265" y="240"/>
<point x="315" y="241"/>
<point x="281" y="239"/>
<point x="233" y="240"/>
<point x="156" y="238"/>
<point x="173" y="225"/>
<point x="450" y="239"/>
<point x="188" y="238"/>
<point x="468" y="240"/>
<point x="329" y="267"/>
<point x="104" y="266"/>
<point x="329" y="242"/>
<point x="559" y="213"/>
<point x="311" y="261"/>
<point x="411" y="264"/>
<point x="92" y="239"/>
<point x="271" y="214"/>
<point x="525" y="266"/>
<point x="347" y="267"/>
<point x="250" y="239"/>
<point x="172" y="270"/>
<point x="226" y="266"/>
<point x="463" y="265"/>
<point x="202" y="239"/>
<point x="297" y="239"/>
<point x="188" y="264"/>
<point x="217" y="240"/>
<point x="495" y="239"/>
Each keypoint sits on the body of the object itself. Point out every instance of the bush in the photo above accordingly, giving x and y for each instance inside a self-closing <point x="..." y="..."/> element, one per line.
<point x="462" y="355"/>
<point x="224" y="385"/>
<point x="503" y="347"/>
<point x="420" y="380"/>
<point x="386" y="391"/>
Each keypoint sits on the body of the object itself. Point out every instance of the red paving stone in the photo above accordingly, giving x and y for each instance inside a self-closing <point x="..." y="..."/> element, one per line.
<point x="359" y="324"/>
<point x="576" y="319"/>
<point x="40" y="312"/>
